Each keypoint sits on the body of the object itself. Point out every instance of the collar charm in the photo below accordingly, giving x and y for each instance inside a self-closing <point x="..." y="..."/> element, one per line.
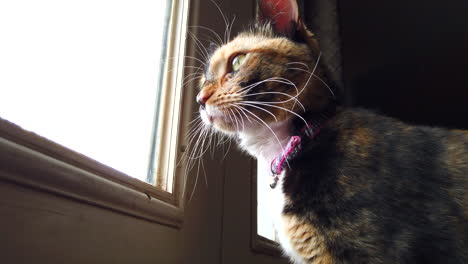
<point x="294" y="146"/>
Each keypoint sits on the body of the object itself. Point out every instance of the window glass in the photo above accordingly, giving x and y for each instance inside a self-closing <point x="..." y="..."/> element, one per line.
<point x="85" y="74"/>
<point x="265" y="227"/>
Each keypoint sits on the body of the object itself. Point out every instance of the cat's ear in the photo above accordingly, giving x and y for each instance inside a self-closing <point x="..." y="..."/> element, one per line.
<point x="285" y="20"/>
<point x="282" y="14"/>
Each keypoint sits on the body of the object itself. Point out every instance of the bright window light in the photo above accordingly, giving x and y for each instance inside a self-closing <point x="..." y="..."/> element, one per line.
<point x="85" y="74"/>
<point x="265" y="227"/>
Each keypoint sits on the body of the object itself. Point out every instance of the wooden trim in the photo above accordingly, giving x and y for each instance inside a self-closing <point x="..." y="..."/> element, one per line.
<point x="31" y="168"/>
<point x="259" y="243"/>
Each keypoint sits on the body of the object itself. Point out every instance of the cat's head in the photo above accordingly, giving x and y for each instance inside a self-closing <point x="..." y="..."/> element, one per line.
<point x="265" y="75"/>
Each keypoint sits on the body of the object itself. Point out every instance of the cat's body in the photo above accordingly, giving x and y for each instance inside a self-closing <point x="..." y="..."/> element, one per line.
<point x="370" y="189"/>
<point x="364" y="188"/>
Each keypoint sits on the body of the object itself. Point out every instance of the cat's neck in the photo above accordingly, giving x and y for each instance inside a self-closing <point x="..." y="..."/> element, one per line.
<point x="265" y="143"/>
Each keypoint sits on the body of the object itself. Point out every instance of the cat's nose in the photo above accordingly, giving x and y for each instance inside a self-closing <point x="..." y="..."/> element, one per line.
<point x="202" y="97"/>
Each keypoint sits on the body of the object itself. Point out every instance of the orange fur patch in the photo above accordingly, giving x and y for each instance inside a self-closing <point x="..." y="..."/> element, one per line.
<point x="306" y="241"/>
<point x="455" y="161"/>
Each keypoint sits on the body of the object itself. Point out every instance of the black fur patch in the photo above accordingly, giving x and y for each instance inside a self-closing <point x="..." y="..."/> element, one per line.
<point x="386" y="202"/>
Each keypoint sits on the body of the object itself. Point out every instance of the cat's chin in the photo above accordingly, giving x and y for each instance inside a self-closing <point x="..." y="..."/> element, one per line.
<point x="219" y="121"/>
<point x="229" y="126"/>
<point x="247" y="129"/>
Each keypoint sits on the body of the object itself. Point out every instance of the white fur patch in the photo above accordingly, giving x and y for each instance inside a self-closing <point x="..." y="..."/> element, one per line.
<point x="263" y="142"/>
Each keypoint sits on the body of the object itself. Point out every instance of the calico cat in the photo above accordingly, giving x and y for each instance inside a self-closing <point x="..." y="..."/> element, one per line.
<point x="349" y="186"/>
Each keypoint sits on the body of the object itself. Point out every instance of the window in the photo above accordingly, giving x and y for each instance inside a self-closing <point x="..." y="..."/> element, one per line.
<point x="264" y="236"/>
<point x="265" y="227"/>
<point x="101" y="81"/>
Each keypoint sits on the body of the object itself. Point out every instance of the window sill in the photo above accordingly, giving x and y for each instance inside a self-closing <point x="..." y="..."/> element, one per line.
<point x="25" y="166"/>
<point x="266" y="246"/>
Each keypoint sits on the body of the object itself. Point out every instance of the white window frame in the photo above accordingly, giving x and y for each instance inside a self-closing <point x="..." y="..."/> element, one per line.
<point x="29" y="159"/>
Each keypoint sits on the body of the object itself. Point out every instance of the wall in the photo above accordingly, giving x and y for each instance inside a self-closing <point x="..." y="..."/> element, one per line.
<point x="408" y="59"/>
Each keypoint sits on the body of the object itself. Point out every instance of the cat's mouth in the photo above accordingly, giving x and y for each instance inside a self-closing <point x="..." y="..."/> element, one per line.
<point x="212" y="115"/>
<point x="241" y="117"/>
<point x="219" y="119"/>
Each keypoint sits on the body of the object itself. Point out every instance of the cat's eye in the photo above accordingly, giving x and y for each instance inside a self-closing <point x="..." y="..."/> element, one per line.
<point x="237" y="62"/>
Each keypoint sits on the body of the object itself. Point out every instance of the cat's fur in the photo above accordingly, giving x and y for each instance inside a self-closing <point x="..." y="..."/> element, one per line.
<point x="367" y="188"/>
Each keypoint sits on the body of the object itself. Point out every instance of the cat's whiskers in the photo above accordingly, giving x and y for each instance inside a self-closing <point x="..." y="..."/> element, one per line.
<point x="275" y="106"/>
<point x="204" y="142"/>
<point x="266" y="125"/>
<point x="191" y="67"/>
<point x="199" y="130"/>
<point x="199" y="147"/>
<point x="195" y="74"/>
<point x="196" y="127"/>
<point x="254" y="106"/>
<point x="278" y="79"/>
<point x="233" y="119"/>
<point x="300" y="63"/>
<point x="200" y="46"/>
<point x="318" y="78"/>
<point x="226" y="23"/>
<point x="219" y="42"/>
<point x="196" y="181"/>
<point x="243" y="112"/>
<point x="203" y="63"/>
<point x="310" y="75"/>
<point x="199" y="144"/>
<point x="221" y="139"/>
<point x="204" y="172"/>
<point x="230" y="28"/>
<point x="272" y="79"/>
<point x="245" y="90"/>
<point x="240" y="117"/>
<point x="191" y="80"/>
<point x="197" y="68"/>
<point x="210" y="145"/>
<point x="238" y="120"/>
<point x="195" y="130"/>
<point x="185" y="66"/>
<point x="278" y="102"/>
<point x="228" y="148"/>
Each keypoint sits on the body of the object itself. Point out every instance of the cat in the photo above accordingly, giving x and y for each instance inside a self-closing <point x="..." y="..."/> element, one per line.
<point x="350" y="186"/>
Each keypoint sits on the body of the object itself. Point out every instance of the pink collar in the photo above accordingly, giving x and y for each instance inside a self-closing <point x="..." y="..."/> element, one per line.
<point x="294" y="147"/>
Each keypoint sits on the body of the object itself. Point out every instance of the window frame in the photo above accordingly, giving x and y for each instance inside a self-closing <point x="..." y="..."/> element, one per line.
<point x="29" y="159"/>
